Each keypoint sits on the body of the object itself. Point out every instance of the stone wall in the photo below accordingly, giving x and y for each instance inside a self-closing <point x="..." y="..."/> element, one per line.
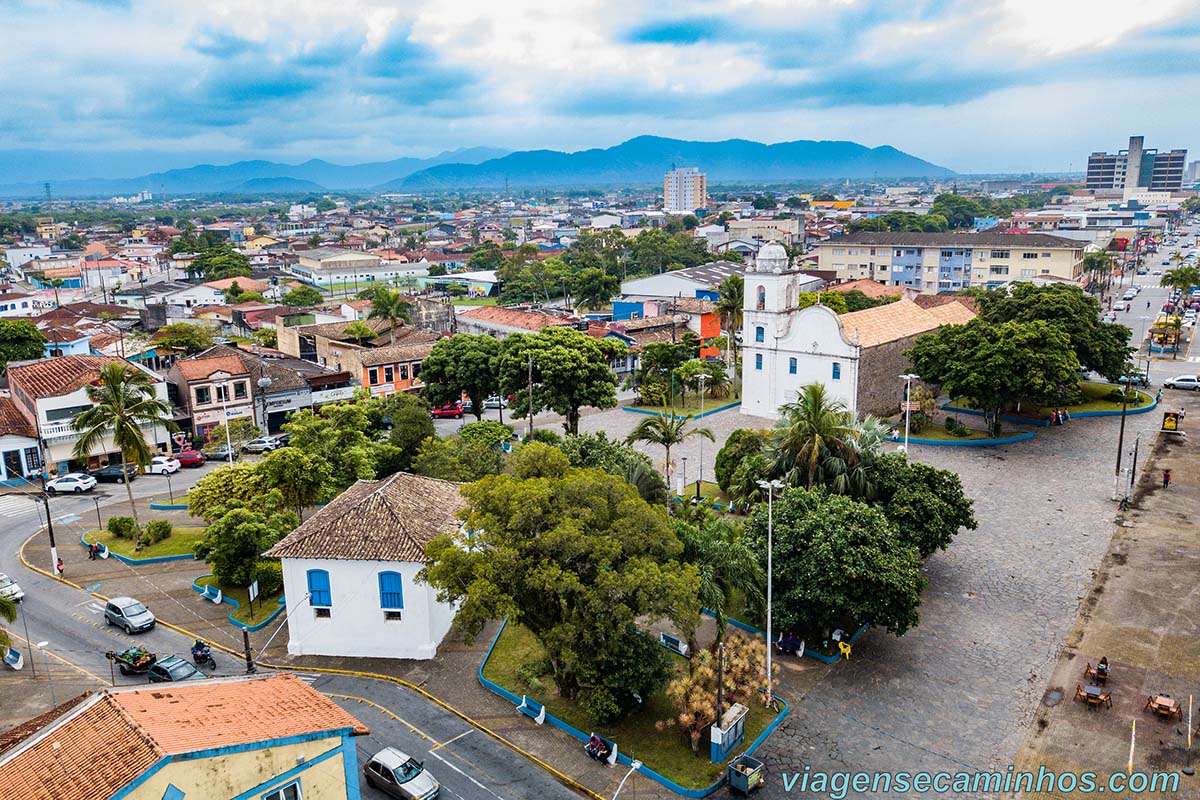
<point x="432" y="315"/>
<point x="880" y="389"/>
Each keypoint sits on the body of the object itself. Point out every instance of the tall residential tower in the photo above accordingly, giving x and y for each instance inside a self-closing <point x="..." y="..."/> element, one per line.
<point x="1137" y="167"/>
<point x="684" y="190"/>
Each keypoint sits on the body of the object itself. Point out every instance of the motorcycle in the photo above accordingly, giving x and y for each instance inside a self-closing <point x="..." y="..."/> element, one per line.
<point x="202" y="656"/>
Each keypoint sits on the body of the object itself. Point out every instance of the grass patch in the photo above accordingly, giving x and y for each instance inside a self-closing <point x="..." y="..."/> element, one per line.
<point x="689" y="405"/>
<point x="666" y="752"/>
<point x="474" y="301"/>
<point x="1095" y="396"/>
<point x="264" y="605"/>
<point x="940" y="434"/>
<point x="708" y="490"/>
<point x="182" y="541"/>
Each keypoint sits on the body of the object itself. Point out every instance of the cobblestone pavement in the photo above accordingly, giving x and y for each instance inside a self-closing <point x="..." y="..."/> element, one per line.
<point x="959" y="691"/>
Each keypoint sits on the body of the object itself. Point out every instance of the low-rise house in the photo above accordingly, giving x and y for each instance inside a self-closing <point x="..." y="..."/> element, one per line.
<point x="66" y="340"/>
<point x="501" y="322"/>
<point x="265" y="737"/>
<point x="394" y="368"/>
<point x="20" y="456"/>
<point x="211" y="389"/>
<point x="351" y="569"/>
<point x="50" y="393"/>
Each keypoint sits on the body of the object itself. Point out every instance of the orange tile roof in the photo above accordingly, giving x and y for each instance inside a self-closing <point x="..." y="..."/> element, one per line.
<point x="951" y="313"/>
<point x="513" y="318"/>
<point x="868" y="287"/>
<point x="199" y="369"/>
<point x="245" y="284"/>
<point x="58" y="376"/>
<point x="894" y="321"/>
<point x="13" y="422"/>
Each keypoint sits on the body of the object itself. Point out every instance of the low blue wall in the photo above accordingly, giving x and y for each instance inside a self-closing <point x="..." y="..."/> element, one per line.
<point x="1149" y="405"/>
<point x="623" y="758"/>
<point x="135" y="561"/>
<point x="1016" y="437"/>
<point x="158" y="506"/>
<point x="256" y="626"/>
<point x="706" y="413"/>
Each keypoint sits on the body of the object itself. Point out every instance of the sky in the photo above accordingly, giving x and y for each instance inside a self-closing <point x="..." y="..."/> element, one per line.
<point x="119" y="87"/>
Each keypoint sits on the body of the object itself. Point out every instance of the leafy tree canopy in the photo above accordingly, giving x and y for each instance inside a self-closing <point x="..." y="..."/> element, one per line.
<point x="185" y="336"/>
<point x="20" y="340"/>
<point x="462" y="364"/>
<point x="303" y="296"/>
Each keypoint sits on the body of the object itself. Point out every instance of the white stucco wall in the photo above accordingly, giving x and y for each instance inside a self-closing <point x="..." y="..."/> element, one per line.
<point x="356" y="625"/>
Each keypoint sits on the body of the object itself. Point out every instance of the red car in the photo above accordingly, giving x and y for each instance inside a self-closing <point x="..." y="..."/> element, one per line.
<point x="189" y="458"/>
<point x="450" y="410"/>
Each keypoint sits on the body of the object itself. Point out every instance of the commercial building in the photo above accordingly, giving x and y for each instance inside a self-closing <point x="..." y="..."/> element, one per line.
<point x="684" y="190"/>
<point x="1137" y="167"/>
<point x="268" y="737"/>
<point x="335" y="268"/>
<point x="949" y="262"/>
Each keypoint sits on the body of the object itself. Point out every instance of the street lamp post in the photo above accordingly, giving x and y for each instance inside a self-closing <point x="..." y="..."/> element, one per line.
<point x="770" y="486"/>
<point x="683" y="477"/>
<point x="633" y="767"/>
<point x="908" y="378"/>
<point x="700" y="463"/>
<point x="49" y="676"/>
<point x="28" y="641"/>
<point x="264" y="383"/>
<point x="224" y="392"/>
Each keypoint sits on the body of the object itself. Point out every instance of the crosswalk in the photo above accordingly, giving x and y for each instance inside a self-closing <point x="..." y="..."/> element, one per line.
<point x="16" y="505"/>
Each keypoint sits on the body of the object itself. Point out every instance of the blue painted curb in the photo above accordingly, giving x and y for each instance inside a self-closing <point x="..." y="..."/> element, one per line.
<point x="1016" y="437"/>
<point x="737" y="623"/>
<point x="256" y="626"/>
<point x="497" y="689"/>
<point x="169" y="506"/>
<point x="135" y="561"/>
<point x="647" y="411"/>
<point x="1149" y="405"/>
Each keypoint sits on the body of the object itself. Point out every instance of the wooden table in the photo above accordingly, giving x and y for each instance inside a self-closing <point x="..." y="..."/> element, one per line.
<point x="1096" y="696"/>
<point x="1164" y="706"/>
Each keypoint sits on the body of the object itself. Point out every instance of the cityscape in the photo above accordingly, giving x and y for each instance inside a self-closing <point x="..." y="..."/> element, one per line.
<point x="383" y="417"/>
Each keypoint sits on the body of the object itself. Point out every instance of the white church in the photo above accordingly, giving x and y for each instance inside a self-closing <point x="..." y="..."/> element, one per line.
<point x="858" y="356"/>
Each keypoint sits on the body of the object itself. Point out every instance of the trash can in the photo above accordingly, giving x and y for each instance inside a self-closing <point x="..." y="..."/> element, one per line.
<point x="746" y="774"/>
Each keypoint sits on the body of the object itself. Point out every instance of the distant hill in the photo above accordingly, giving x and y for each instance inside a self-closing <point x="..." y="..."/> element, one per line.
<point x="644" y="160"/>
<point x="277" y="186"/>
<point x="209" y="179"/>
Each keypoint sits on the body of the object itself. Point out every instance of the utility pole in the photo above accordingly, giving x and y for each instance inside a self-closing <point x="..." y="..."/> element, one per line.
<point x="45" y="498"/>
<point x="529" y="391"/>
<point x="1121" y="438"/>
<point x="250" y="669"/>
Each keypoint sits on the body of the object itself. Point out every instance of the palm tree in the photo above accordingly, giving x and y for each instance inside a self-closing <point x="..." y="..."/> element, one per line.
<point x="359" y="332"/>
<point x="667" y="430"/>
<point x="815" y="434"/>
<point x="727" y="567"/>
<point x="1182" y="278"/>
<point x="390" y="305"/>
<point x="123" y="402"/>
<point x="730" y="302"/>
<point x="8" y="612"/>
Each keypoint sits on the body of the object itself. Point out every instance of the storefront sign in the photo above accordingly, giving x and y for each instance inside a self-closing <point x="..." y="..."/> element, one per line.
<point x="332" y="395"/>
<point x="220" y="415"/>
<point x="288" y="402"/>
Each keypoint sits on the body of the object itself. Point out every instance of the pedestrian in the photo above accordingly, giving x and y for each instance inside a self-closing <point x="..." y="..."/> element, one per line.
<point x="1158" y="397"/>
<point x="1166" y="478"/>
<point x="1147" y="304"/>
<point x="59" y="565"/>
<point x="91" y="551"/>
<point x="1054" y="416"/>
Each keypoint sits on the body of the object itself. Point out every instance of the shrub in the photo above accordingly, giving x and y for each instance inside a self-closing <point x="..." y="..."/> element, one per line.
<point x="122" y="527"/>
<point x="269" y="575"/>
<point x="545" y="436"/>
<point x="157" y="530"/>
<point x="1113" y="396"/>
<point x="951" y="425"/>
<point x="487" y="431"/>
<point x="531" y="673"/>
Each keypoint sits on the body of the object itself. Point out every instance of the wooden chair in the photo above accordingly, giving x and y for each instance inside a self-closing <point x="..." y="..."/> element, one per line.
<point x="1079" y="693"/>
<point x="1106" y="698"/>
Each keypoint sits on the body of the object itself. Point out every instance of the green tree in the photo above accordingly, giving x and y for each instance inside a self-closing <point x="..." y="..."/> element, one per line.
<point x="241" y="430"/>
<point x="997" y="366"/>
<point x="570" y="370"/>
<point x="338" y="433"/>
<point x="834" y="301"/>
<point x="186" y="336"/>
<point x="666" y="431"/>
<point x="1182" y="278"/>
<point x="741" y="444"/>
<point x="8" y="613"/>
<point x="728" y="568"/>
<point x="959" y="211"/>
<point x="838" y="563"/>
<point x="359" y="331"/>
<point x="576" y="558"/>
<point x="240" y="482"/>
<point x="218" y="262"/>
<point x="240" y="532"/>
<point x="462" y="364"/>
<point x="927" y="505"/>
<point x="298" y="476"/>
<point x="303" y="296"/>
<point x="486" y="256"/>
<point x="812" y="434"/>
<point x="487" y="432"/>
<point x="391" y="306"/>
<point x="597" y="451"/>
<point x="731" y="300"/>
<point x="594" y="289"/>
<point x="455" y="459"/>
<point x="410" y="425"/>
<point x="437" y="270"/>
<point x="20" y="340"/>
<point x="266" y="337"/>
<point x="124" y="402"/>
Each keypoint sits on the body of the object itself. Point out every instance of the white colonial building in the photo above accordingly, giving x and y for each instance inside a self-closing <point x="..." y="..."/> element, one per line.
<point x="858" y="356"/>
<point x="350" y="571"/>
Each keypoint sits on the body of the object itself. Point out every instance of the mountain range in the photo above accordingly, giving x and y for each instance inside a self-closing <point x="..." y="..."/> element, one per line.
<point x="637" y="162"/>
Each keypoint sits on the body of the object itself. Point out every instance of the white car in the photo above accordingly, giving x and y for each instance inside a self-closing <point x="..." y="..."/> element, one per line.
<point x="10" y="589"/>
<point x="71" y="482"/>
<point x="1120" y="305"/>
<point x="1183" y="382"/>
<point x="163" y="465"/>
<point x="495" y="401"/>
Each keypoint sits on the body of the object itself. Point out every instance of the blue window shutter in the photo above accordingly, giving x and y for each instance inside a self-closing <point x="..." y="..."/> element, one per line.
<point x="837" y="371"/>
<point x="318" y="588"/>
<point x="759" y="333"/>
<point x="758" y="360"/>
<point x="792" y="366"/>
<point x="391" y="591"/>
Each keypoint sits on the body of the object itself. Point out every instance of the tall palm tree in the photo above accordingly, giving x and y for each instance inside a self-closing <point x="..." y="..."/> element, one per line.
<point x="727" y="567"/>
<point x="667" y="430"/>
<point x="123" y="402"/>
<point x="731" y="299"/>
<point x="8" y="612"/>
<point x="1182" y="278"/>
<point x="390" y="305"/>
<point x="814" y="433"/>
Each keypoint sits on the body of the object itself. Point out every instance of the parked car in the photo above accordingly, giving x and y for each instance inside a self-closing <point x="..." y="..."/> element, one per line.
<point x="263" y="444"/>
<point x="495" y="401"/>
<point x="163" y="465"/>
<point x="114" y="474"/>
<point x="284" y="439"/>
<point x="190" y="458"/>
<point x="220" y="453"/>
<point x="10" y="589"/>
<point x="1183" y="382"/>
<point x="129" y="614"/>
<point x="1120" y="305"/>
<point x="1137" y="378"/>
<point x="174" y="668"/>
<point x="399" y="775"/>
<point x="71" y="482"/>
<point x="448" y="411"/>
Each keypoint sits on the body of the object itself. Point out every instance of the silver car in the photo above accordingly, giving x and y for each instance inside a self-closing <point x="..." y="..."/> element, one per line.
<point x="129" y="614"/>
<point x="399" y="775"/>
<point x="10" y="589"/>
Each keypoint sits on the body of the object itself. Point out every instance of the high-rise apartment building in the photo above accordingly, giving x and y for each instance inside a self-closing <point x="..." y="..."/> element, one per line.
<point x="1137" y="167"/>
<point x="684" y="190"/>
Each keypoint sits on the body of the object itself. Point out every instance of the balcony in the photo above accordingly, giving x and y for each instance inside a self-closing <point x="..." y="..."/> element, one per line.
<point x="57" y="431"/>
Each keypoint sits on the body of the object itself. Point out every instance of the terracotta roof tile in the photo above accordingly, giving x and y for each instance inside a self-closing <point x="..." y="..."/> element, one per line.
<point x="931" y="300"/>
<point x="54" y="377"/>
<point x="868" y="287"/>
<point x="692" y="305"/>
<point x="400" y="353"/>
<point x="513" y="318"/>
<point x="199" y="369"/>
<point x="644" y="323"/>
<point x="951" y="313"/>
<point x="386" y="520"/>
<point x="245" y="284"/>
<point x="13" y="422"/>
<point x="891" y="322"/>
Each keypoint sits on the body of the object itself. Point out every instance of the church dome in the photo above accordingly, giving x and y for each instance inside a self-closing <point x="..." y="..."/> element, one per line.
<point x="771" y="256"/>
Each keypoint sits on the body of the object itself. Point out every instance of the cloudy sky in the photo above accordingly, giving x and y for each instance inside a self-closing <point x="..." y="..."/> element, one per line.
<point x="985" y="85"/>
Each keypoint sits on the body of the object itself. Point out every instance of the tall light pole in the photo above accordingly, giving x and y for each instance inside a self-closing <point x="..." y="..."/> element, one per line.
<point x="700" y="462"/>
<point x="224" y="392"/>
<point x="633" y="767"/>
<point x="770" y="486"/>
<point x="908" y="378"/>
<point x="49" y="676"/>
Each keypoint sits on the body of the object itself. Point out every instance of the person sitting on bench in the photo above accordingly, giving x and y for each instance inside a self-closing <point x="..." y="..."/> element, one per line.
<point x="596" y="747"/>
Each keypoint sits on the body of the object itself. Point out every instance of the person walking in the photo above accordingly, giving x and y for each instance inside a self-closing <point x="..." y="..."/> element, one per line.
<point x="1158" y="397"/>
<point x="1166" y="478"/>
<point x="59" y="565"/>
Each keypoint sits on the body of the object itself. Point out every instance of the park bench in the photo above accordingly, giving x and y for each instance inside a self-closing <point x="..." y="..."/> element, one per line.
<point x="532" y="709"/>
<point x="211" y="593"/>
<point x="673" y="643"/>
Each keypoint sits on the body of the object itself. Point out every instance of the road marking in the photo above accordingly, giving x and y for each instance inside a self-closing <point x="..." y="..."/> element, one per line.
<point x="449" y="742"/>
<point x="307" y="677"/>
<point x="389" y="712"/>
<point x="67" y="520"/>
<point x="57" y="657"/>
<point x="16" y="505"/>
<point x="465" y="775"/>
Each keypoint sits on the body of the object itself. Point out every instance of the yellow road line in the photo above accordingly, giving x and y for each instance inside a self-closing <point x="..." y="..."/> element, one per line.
<point x="449" y="741"/>
<point x="412" y="728"/>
